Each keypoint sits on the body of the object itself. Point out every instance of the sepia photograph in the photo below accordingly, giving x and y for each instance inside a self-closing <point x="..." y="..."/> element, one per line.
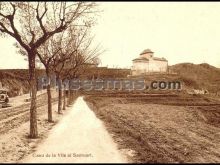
<point x="109" y="82"/>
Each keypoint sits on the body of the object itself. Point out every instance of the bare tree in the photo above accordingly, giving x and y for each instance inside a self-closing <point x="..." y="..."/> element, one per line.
<point x="67" y="44"/>
<point x="82" y="60"/>
<point x="31" y="24"/>
<point x="57" y="47"/>
<point x="45" y="55"/>
<point x="75" y="52"/>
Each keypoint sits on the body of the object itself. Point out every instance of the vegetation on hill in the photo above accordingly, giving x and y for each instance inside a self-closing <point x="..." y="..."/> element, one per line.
<point x="194" y="76"/>
<point x="16" y="80"/>
<point x="200" y="76"/>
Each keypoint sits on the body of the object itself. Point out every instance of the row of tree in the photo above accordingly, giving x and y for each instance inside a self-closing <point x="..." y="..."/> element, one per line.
<point x="56" y="33"/>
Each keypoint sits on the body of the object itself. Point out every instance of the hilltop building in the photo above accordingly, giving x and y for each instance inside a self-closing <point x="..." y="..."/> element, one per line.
<point x="147" y="63"/>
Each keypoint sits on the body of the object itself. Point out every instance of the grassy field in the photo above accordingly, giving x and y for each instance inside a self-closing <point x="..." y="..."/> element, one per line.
<point x="162" y="128"/>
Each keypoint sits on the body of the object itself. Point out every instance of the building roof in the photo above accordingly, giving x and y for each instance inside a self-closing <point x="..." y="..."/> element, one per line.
<point x="146" y="51"/>
<point x="146" y="59"/>
<point x="141" y="59"/>
<point x="159" y="59"/>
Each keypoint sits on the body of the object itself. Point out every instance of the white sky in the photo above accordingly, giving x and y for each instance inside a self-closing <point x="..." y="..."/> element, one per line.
<point x="180" y="32"/>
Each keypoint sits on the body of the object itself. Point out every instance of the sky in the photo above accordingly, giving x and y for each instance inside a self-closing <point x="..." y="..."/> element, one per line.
<point x="178" y="31"/>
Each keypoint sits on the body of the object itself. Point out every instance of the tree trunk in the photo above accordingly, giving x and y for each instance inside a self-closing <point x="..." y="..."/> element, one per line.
<point x="69" y="96"/>
<point x="60" y="101"/>
<point x="50" y="114"/>
<point x="64" y="99"/>
<point x="60" y="96"/>
<point x="33" y="89"/>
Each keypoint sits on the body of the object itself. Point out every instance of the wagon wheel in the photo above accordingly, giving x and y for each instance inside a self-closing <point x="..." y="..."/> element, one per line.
<point x="2" y="97"/>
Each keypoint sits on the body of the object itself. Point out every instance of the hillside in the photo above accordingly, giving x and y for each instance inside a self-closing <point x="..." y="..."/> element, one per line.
<point x="198" y="75"/>
<point x="104" y="72"/>
<point x="16" y="80"/>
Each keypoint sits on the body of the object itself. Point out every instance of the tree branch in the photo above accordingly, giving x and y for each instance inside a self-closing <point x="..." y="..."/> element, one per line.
<point x="39" y="18"/>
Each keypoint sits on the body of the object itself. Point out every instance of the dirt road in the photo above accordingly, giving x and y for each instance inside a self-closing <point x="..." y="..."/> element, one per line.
<point x="20" y="100"/>
<point x="14" y="126"/>
<point x="18" y="113"/>
<point x="79" y="137"/>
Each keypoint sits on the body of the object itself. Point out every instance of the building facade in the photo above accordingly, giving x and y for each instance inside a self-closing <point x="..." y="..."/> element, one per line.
<point x="147" y="63"/>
